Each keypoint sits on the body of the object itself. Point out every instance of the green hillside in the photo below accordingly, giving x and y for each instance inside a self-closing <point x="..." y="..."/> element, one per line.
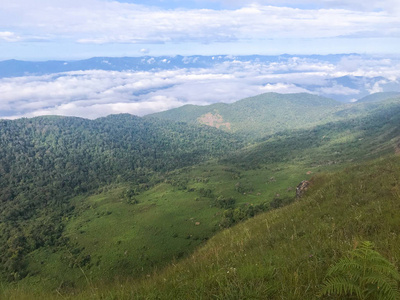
<point x="281" y="254"/>
<point x="377" y="97"/>
<point x="334" y="143"/>
<point x="259" y="115"/>
<point x="285" y="253"/>
<point x="46" y="161"/>
<point x="154" y="191"/>
<point x="268" y="113"/>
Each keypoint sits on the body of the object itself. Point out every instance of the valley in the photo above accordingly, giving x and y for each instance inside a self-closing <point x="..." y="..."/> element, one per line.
<point x="124" y="207"/>
<point x="199" y="150"/>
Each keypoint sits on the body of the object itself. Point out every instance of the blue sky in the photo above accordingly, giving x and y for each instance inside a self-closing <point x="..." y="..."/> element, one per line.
<point x="72" y="29"/>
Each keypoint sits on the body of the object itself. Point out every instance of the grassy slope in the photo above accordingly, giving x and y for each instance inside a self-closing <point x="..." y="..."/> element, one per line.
<point x="271" y="112"/>
<point x="341" y="142"/>
<point x="262" y="114"/>
<point x="284" y="254"/>
<point x="281" y="254"/>
<point x="131" y="240"/>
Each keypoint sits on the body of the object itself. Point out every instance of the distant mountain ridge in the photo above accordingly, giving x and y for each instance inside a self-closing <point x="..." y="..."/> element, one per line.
<point x="12" y="68"/>
<point x="376" y="97"/>
<point x="267" y="113"/>
<point x="345" y="88"/>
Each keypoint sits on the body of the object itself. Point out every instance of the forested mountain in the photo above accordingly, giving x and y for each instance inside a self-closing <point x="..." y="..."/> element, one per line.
<point x="354" y="139"/>
<point x="46" y="160"/>
<point x="267" y="113"/>
<point x="376" y="97"/>
<point x="84" y="201"/>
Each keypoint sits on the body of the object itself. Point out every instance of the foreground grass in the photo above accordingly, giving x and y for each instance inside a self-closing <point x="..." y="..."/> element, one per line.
<point x="171" y="220"/>
<point x="282" y="254"/>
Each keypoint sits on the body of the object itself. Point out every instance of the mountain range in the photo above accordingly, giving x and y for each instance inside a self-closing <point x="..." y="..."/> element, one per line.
<point x="12" y="68"/>
<point x="272" y="112"/>
<point x="198" y="201"/>
<point x="319" y="74"/>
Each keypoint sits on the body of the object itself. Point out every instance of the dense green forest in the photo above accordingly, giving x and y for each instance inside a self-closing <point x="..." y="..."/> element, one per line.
<point x="376" y="97"/>
<point x="47" y="160"/>
<point x="100" y="209"/>
<point x="269" y="113"/>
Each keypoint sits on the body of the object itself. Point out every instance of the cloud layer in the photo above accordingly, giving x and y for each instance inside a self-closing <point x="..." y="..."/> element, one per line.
<point x="97" y="93"/>
<point x="98" y="22"/>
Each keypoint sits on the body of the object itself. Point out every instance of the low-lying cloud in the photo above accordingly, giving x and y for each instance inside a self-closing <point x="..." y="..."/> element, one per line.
<point x="97" y="93"/>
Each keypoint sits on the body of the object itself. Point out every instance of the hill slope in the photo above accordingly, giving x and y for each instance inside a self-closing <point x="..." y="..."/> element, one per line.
<point x="355" y="139"/>
<point x="267" y="113"/>
<point x="376" y="97"/>
<point x="285" y="254"/>
<point x="281" y="254"/>
<point x="46" y="161"/>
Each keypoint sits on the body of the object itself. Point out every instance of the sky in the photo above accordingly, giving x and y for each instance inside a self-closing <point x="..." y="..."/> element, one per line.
<point x="43" y="30"/>
<point x="76" y="29"/>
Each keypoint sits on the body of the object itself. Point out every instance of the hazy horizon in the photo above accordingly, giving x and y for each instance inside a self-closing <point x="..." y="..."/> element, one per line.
<point x="73" y="29"/>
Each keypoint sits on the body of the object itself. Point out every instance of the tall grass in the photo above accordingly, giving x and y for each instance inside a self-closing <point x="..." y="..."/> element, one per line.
<point x="286" y="253"/>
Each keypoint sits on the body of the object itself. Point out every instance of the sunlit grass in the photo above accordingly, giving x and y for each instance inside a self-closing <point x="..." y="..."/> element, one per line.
<point x="285" y="253"/>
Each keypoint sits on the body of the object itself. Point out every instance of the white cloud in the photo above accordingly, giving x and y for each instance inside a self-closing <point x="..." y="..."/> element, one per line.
<point x="377" y="87"/>
<point x="92" y="111"/>
<point x="283" y="88"/>
<point x="96" y="21"/>
<point x="363" y="5"/>
<point x="96" y="93"/>
<point x="9" y="36"/>
<point x="338" y="89"/>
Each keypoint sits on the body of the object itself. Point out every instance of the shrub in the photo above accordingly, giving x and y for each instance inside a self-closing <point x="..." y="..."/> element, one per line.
<point x="364" y="274"/>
